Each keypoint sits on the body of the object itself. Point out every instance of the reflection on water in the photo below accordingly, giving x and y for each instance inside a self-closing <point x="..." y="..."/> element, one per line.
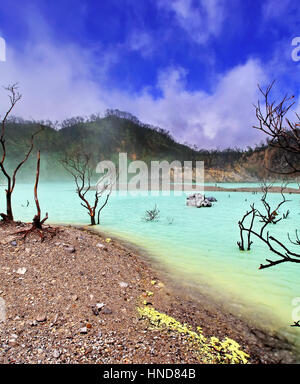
<point x="196" y="246"/>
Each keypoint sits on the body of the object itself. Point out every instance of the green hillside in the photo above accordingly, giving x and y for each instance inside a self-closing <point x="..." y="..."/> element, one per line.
<point x="104" y="138"/>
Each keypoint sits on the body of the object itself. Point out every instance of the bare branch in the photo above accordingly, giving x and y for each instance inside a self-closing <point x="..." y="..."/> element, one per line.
<point x="79" y="166"/>
<point x="283" y="133"/>
<point x="14" y="97"/>
<point x="267" y="217"/>
<point x="37" y="223"/>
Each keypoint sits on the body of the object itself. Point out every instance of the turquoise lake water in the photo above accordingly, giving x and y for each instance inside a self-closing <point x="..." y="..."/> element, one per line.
<point x="196" y="247"/>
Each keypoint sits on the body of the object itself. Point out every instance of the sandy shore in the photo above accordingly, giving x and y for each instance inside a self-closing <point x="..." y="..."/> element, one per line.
<point x="84" y="298"/>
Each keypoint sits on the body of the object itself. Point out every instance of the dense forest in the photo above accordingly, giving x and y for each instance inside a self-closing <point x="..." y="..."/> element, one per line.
<point x="117" y="131"/>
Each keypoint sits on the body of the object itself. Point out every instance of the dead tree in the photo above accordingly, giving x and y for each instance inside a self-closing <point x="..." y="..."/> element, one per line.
<point x="37" y="223"/>
<point x="257" y="227"/>
<point x="108" y="189"/>
<point x="296" y="324"/>
<point x="80" y="167"/>
<point x="241" y="243"/>
<point x="282" y="133"/>
<point x="151" y="214"/>
<point x="14" y="97"/>
<point x="285" y="215"/>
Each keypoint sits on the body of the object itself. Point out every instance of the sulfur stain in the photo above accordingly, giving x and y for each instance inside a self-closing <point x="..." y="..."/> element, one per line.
<point x="210" y="350"/>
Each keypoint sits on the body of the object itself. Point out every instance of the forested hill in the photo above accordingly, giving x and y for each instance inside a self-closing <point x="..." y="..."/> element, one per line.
<point x="118" y="132"/>
<point x="103" y="138"/>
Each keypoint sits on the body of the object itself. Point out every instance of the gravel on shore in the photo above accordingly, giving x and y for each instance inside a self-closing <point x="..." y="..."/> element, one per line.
<point x="74" y="299"/>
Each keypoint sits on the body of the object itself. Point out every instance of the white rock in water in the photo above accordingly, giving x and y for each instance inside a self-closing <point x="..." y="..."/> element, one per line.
<point x="212" y="199"/>
<point x="197" y="200"/>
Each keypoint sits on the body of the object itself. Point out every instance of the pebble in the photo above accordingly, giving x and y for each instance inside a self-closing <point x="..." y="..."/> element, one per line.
<point x="56" y="353"/>
<point x="95" y="311"/>
<point x="100" y="306"/>
<point x="123" y="284"/>
<point x="13" y="336"/>
<point x="13" y="243"/>
<point x="54" y="320"/>
<point x="21" y="271"/>
<point x="107" y="311"/>
<point x="70" y="249"/>
<point x="41" y="318"/>
<point x="83" y="330"/>
<point x="102" y="246"/>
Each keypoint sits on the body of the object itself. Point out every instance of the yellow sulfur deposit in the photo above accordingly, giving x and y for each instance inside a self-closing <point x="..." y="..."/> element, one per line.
<point x="210" y="350"/>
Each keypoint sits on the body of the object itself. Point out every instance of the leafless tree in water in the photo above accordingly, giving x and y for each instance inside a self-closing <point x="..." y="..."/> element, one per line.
<point x="37" y="222"/>
<point x="80" y="167"/>
<point x="284" y="135"/>
<point x="14" y="97"/>
<point x="151" y="214"/>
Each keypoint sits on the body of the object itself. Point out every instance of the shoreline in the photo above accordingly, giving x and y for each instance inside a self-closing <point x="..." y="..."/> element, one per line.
<point x="215" y="188"/>
<point x="250" y="189"/>
<point x="65" y="286"/>
<point x="244" y="329"/>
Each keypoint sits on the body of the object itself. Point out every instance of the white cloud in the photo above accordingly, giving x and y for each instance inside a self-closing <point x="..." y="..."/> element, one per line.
<point x="141" y="42"/>
<point x="200" y="22"/>
<point x="223" y="117"/>
<point x="59" y="82"/>
<point x="55" y="81"/>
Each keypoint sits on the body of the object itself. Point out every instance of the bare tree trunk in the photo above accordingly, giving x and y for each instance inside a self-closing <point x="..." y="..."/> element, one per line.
<point x="37" y="223"/>
<point x="79" y="166"/>
<point x="100" y="209"/>
<point x="9" y="212"/>
<point x="93" y="222"/>
<point x="14" y="97"/>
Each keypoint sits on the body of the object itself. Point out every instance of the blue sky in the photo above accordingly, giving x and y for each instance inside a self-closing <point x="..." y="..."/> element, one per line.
<point x="190" y="66"/>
